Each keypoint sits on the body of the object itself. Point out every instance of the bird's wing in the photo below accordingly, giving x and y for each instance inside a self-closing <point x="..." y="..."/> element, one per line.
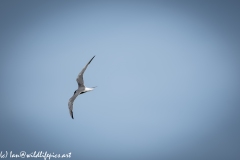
<point x="80" y="75"/>
<point x="70" y="104"/>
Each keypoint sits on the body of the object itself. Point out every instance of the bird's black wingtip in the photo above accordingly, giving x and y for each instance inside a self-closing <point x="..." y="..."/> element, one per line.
<point x="91" y="60"/>
<point x="71" y="114"/>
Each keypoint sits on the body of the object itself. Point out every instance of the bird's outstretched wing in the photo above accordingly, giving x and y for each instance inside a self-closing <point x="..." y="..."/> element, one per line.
<point x="70" y="104"/>
<point x="80" y="75"/>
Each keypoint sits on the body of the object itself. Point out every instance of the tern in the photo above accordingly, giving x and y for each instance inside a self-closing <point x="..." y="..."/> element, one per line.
<point x="81" y="89"/>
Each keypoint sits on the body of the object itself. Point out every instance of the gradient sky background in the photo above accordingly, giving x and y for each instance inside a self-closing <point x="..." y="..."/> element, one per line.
<point x="167" y="76"/>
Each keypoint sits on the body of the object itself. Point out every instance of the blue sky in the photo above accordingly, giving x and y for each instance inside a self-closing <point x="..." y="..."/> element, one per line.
<point x="167" y="77"/>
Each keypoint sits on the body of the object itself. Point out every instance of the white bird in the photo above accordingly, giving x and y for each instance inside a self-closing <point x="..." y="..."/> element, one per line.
<point x="81" y="89"/>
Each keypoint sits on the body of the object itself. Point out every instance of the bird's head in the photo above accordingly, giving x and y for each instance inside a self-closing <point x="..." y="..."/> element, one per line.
<point x="74" y="92"/>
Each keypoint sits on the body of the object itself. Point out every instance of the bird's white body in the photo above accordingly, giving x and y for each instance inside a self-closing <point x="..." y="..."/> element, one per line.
<point x="81" y="89"/>
<point x="86" y="90"/>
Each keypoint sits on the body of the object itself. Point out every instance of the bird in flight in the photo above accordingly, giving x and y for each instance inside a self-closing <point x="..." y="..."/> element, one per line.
<point x="81" y="88"/>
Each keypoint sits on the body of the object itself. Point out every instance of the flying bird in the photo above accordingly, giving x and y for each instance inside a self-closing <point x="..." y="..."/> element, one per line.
<point x="81" y="88"/>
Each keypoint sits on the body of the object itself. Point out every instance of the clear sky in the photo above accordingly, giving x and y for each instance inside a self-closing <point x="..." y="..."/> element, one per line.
<point x="167" y="76"/>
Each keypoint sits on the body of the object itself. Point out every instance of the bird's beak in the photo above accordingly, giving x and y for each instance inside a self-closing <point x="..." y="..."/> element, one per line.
<point x="94" y="87"/>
